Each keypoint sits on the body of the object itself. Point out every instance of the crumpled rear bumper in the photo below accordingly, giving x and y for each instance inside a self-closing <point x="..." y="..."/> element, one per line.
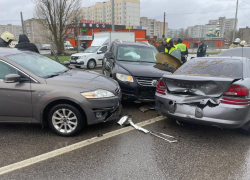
<point x="207" y="112"/>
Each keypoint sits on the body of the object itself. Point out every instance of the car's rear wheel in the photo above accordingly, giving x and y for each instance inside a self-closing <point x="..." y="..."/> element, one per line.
<point x="91" y="64"/>
<point x="65" y="120"/>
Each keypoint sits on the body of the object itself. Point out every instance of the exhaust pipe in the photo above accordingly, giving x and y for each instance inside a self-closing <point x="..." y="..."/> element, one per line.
<point x="127" y="120"/>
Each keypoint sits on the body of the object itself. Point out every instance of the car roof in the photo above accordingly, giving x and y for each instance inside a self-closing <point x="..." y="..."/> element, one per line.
<point x="222" y="58"/>
<point x="5" y="51"/>
<point x="133" y="43"/>
<point x="239" y="51"/>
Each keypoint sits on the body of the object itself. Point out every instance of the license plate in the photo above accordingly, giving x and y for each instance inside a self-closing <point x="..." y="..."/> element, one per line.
<point x="185" y="109"/>
<point x="73" y="61"/>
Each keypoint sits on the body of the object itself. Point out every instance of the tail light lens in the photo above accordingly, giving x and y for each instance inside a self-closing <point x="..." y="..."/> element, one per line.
<point x="238" y="93"/>
<point x="161" y="88"/>
<point x="236" y="90"/>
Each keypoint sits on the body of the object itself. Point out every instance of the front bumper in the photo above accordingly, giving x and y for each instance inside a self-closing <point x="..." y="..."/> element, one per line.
<point x="102" y="110"/>
<point x="221" y="115"/>
<point x="133" y="91"/>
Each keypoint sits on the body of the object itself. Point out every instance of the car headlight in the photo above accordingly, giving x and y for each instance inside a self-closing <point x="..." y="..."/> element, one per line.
<point x="100" y="93"/>
<point x="80" y="57"/>
<point x="125" y="78"/>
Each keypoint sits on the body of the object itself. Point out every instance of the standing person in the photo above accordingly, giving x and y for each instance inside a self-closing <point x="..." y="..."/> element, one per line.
<point x="202" y="50"/>
<point x="162" y="47"/>
<point x="24" y="44"/>
<point x="170" y="47"/>
<point x="184" y="50"/>
<point x="6" y="38"/>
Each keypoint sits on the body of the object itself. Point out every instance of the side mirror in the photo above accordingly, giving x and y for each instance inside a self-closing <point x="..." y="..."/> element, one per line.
<point x="12" y="78"/>
<point x="66" y="63"/>
<point x="108" y="55"/>
<point x="99" y="52"/>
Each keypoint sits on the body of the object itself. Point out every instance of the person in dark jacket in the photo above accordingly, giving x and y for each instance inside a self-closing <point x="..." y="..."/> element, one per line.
<point x="162" y="47"/>
<point x="24" y="44"/>
<point x="6" y="38"/>
<point x="184" y="50"/>
<point x="202" y="50"/>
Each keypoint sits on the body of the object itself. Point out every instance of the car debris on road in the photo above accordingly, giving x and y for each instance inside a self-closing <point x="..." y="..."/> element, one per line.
<point x="127" y="120"/>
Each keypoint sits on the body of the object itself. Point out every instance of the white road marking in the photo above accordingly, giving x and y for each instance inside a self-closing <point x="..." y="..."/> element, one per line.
<point x="52" y="154"/>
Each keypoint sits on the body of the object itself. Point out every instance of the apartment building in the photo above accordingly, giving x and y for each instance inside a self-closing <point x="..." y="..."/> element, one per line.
<point x="153" y="27"/>
<point x="126" y="12"/>
<point x="16" y="30"/>
<point x="176" y="33"/>
<point x="244" y="34"/>
<point x="226" y="25"/>
<point x="36" y="32"/>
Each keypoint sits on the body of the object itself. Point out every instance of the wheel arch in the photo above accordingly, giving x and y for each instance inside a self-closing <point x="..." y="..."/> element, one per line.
<point x="61" y="101"/>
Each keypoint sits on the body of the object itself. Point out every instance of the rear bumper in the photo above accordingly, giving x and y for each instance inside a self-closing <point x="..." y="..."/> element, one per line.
<point x="222" y="115"/>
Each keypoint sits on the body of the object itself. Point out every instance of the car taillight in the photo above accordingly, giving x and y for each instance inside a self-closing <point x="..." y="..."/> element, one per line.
<point x="238" y="93"/>
<point x="161" y="88"/>
<point x="236" y="90"/>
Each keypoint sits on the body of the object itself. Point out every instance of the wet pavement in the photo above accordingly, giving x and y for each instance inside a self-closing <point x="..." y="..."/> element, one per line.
<point x="201" y="152"/>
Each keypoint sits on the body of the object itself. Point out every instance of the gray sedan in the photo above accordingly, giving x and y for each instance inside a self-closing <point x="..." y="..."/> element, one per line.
<point x="210" y="91"/>
<point x="36" y="89"/>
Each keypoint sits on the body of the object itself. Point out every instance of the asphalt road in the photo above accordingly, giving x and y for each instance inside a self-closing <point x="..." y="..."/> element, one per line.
<point x="201" y="152"/>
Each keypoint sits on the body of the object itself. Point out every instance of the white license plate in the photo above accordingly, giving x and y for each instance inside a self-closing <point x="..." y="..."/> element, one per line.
<point x="73" y="61"/>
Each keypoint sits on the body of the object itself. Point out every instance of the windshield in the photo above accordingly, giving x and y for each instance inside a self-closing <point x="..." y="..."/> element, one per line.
<point x="91" y="49"/>
<point x="136" y="53"/>
<point x="212" y="67"/>
<point x="37" y="64"/>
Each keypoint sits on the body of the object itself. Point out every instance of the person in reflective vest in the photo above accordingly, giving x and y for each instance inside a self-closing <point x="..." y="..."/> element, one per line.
<point x="184" y="50"/>
<point x="170" y="47"/>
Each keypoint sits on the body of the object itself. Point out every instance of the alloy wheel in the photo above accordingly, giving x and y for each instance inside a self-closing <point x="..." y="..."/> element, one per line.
<point x="64" y="121"/>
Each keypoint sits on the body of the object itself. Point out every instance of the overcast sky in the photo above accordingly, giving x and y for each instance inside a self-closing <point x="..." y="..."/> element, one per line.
<point x="179" y="13"/>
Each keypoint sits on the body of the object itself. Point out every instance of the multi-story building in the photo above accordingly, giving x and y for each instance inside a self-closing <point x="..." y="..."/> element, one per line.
<point x="16" y="30"/>
<point x="36" y="33"/>
<point x="226" y="25"/>
<point x="244" y="34"/>
<point x="176" y="33"/>
<point x="126" y="12"/>
<point x="153" y="27"/>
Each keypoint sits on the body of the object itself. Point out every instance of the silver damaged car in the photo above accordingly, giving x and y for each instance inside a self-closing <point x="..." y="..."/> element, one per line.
<point x="209" y="91"/>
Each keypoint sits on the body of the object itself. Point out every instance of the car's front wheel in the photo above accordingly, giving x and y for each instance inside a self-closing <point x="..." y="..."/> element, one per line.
<point x="91" y="64"/>
<point x="65" y="120"/>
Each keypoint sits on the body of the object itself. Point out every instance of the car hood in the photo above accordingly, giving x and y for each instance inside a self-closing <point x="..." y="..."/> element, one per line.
<point x="83" y="54"/>
<point x="142" y="69"/>
<point x="83" y="80"/>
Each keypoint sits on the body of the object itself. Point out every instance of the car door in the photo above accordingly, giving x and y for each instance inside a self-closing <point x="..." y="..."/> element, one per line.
<point x="109" y="63"/>
<point x="100" y="54"/>
<point x="15" y="98"/>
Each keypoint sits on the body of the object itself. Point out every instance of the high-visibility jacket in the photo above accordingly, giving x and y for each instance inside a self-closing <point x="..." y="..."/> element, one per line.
<point x="171" y="49"/>
<point x="182" y="47"/>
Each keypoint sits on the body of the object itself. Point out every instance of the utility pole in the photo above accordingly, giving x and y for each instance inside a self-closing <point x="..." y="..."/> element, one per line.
<point x="21" y="14"/>
<point x="164" y="24"/>
<point x="113" y="15"/>
<point x="235" y="20"/>
<point x="129" y="24"/>
<point x="77" y="30"/>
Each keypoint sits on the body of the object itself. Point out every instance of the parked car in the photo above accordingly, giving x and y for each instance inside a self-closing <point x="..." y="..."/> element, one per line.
<point x="93" y="55"/>
<point x="211" y="91"/>
<point x="36" y="89"/>
<point x="239" y="52"/>
<point x="133" y="66"/>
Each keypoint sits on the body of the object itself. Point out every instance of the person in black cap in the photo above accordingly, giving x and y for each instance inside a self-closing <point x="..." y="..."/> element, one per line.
<point x="162" y="47"/>
<point x="24" y="44"/>
<point x="202" y="50"/>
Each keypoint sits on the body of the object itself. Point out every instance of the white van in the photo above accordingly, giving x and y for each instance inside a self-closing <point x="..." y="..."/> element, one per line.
<point x="93" y="55"/>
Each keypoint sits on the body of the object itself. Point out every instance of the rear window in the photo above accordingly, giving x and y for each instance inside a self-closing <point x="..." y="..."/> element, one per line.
<point x="212" y="67"/>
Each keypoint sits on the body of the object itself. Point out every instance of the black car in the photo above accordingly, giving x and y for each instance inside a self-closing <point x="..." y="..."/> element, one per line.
<point x="133" y="66"/>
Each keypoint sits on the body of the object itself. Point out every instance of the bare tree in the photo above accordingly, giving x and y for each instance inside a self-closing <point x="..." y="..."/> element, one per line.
<point x="55" y="15"/>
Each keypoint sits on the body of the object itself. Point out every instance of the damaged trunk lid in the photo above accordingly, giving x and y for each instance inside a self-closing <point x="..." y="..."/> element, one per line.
<point x="204" y="77"/>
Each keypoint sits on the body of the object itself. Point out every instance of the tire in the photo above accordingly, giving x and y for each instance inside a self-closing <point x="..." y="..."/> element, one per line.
<point x="57" y="120"/>
<point x="91" y="64"/>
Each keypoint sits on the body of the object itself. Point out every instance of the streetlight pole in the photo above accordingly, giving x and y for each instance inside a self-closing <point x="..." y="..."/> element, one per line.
<point x="113" y="15"/>
<point x="235" y="20"/>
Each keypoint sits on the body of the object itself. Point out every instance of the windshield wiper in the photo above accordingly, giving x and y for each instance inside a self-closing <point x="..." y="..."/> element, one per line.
<point x="53" y="75"/>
